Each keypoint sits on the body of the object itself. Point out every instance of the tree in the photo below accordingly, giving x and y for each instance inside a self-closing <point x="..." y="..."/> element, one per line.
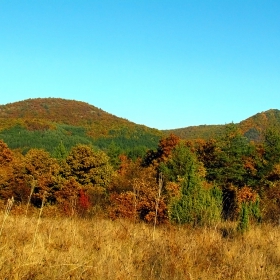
<point x="208" y="152"/>
<point x="41" y="171"/>
<point x="6" y="155"/>
<point x="243" y="223"/>
<point x="165" y="147"/>
<point x="271" y="151"/>
<point x="234" y="148"/>
<point x="60" y="152"/>
<point x="195" y="204"/>
<point x="179" y="163"/>
<point x="91" y="169"/>
<point x="134" y="193"/>
<point x="6" y="170"/>
<point x="113" y="151"/>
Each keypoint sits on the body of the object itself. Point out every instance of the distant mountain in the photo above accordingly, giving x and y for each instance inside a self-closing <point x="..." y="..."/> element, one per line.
<point x="253" y="127"/>
<point x="46" y="122"/>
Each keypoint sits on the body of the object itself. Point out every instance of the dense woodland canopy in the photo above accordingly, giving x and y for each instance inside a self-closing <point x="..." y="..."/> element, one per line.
<point x="197" y="182"/>
<point x="138" y="173"/>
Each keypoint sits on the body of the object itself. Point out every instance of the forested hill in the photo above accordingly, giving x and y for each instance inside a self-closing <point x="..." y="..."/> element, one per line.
<point x="57" y="110"/>
<point x="45" y="122"/>
<point x="253" y="127"/>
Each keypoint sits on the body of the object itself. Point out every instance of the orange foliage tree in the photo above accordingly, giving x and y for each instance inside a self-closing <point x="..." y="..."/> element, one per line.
<point x="6" y="170"/>
<point x="163" y="152"/>
<point x="41" y="171"/>
<point x="134" y="193"/>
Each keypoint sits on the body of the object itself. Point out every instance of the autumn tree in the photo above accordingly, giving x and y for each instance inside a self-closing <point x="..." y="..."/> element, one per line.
<point x="6" y="170"/>
<point x="41" y="171"/>
<point x="91" y="169"/>
<point x="134" y="193"/>
<point x="67" y="196"/>
<point x="208" y="152"/>
<point x="165" y="147"/>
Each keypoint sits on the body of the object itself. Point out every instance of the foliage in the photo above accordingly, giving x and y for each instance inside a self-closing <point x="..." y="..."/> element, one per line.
<point x="272" y="149"/>
<point x="82" y="159"/>
<point x="195" y="204"/>
<point x="45" y="122"/>
<point x="134" y="193"/>
<point x="83" y="203"/>
<point x="253" y="128"/>
<point x="7" y="161"/>
<point x="164" y="149"/>
<point x="67" y="196"/>
<point x="88" y="166"/>
<point x="180" y="163"/>
<point x="197" y="132"/>
<point x="42" y="170"/>
<point x="60" y="152"/>
<point x="243" y="224"/>
<point x="248" y="202"/>
<point x="270" y="203"/>
<point x="19" y="137"/>
<point x="234" y="147"/>
<point x="91" y="169"/>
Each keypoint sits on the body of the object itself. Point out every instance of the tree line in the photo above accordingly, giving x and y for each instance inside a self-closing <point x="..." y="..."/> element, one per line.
<point x="199" y="182"/>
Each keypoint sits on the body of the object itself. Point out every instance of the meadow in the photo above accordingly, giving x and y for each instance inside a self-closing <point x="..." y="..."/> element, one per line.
<point x="45" y="245"/>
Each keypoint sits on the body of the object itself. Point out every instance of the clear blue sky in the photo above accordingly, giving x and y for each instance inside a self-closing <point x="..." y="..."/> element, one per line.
<point x="164" y="64"/>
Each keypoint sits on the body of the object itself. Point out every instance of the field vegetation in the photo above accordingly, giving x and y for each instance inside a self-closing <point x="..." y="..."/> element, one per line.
<point x="46" y="245"/>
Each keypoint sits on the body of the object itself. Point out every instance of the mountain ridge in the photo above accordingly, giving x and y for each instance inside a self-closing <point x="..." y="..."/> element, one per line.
<point x="37" y="121"/>
<point x="253" y="127"/>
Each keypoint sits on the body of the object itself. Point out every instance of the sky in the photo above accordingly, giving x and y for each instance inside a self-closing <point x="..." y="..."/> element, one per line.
<point x="164" y="64"/>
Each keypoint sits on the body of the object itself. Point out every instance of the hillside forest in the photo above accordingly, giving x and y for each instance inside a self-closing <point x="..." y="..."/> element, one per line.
<point x="196" y="182"/>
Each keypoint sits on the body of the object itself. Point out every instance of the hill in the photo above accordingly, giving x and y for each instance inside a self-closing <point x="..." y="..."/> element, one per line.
<point x="45" y="122"/>
<point x="197" y="132"/>
<point x="253" y="127"/>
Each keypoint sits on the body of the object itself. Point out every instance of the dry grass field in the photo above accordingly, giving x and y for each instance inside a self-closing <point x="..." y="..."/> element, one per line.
<point x="74" y="248"/>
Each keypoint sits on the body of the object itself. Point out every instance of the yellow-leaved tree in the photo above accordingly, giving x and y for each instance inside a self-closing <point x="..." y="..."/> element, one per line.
<point x="92" y="170"/>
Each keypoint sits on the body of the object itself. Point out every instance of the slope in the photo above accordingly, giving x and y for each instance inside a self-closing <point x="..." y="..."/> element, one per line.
<point x="45" y="122"/>
<point x="253" y="127"/>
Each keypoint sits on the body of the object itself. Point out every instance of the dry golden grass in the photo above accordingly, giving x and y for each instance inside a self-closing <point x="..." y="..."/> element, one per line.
<point x="67" y="248"/>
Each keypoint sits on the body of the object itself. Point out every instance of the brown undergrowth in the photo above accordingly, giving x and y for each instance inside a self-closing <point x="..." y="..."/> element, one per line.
<point x="97" y="248"/>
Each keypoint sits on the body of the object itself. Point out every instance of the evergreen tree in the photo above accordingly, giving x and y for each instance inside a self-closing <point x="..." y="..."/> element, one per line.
<point x="243" y="224"/>
<point x="234" y="148"/>
<point x="60" y="152"/>
<point x="195" y="204"/>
